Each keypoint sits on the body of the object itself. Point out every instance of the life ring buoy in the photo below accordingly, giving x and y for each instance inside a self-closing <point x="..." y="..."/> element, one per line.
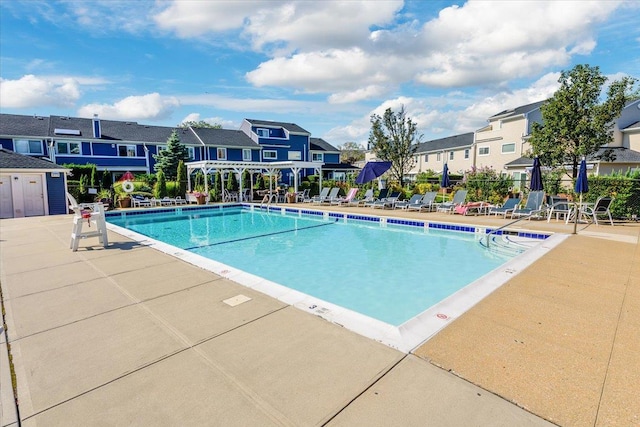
<point x="127" y="186"/>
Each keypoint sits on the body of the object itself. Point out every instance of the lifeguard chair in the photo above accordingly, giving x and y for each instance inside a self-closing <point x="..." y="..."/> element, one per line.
<point x="87" y="214"/>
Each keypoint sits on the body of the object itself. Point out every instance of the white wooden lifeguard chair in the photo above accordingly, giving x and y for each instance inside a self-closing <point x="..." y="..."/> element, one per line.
<point x="87" y="214"/>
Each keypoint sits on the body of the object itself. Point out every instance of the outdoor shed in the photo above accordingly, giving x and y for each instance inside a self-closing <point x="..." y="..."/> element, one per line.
<point x="30" y="186"/>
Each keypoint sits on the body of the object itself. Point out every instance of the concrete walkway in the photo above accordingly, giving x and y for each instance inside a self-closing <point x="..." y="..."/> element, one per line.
<point x="130" y="336"/>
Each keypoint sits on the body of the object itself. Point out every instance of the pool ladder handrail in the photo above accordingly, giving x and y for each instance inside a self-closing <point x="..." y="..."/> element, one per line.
<point x="503" y="227"/>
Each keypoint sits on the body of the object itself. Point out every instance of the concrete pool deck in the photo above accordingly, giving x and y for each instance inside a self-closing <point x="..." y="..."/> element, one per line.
<point x="129" y="335"/>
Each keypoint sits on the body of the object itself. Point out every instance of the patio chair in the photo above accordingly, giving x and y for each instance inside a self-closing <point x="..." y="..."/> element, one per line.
<point x="507" y="207"/>
<point x="303" y="196"/>
<point x="382" y="195"/>
<point x="140" y="201"/>
<point x="458" y="199"/>
<point x="320" y="197"/>
<point x="403" y="204"/>
<point x="534" y="207"/>
<point x="333" y="195"/>
<point x="426" y="203"/>
<point x="600" y="208"/>
<point x="387" y="202"/>
<point x="367" y="198"/>
<point x="347" y="199"/>
<point x="558" y="206"/>
<point x="469" y="208"/>
<point x="179" y="201"/>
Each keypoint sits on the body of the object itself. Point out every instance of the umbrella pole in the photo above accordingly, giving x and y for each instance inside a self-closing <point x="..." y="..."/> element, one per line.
<point x="575" y="220"/>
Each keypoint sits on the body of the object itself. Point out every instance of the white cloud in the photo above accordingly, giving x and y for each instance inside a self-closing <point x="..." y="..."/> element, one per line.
<point x="151" y="106"/>
<point x="480" y="43"/>
<point x="33" y="91"/>
<point x="451" y="114"/>
<point x="226" y="124"/>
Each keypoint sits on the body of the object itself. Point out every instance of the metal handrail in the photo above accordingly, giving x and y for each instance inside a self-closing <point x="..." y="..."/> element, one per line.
<point x="502" y="227"/>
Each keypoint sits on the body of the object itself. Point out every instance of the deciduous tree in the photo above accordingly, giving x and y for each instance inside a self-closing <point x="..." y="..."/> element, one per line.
<point x="394" y="138"/>
<point x="575" y="122"/>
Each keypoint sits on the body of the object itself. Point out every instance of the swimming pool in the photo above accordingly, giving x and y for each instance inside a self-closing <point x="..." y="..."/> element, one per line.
<point x="391" y="271"/>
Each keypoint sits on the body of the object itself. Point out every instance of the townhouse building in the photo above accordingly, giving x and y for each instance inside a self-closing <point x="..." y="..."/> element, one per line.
<point x="503" y="145"/>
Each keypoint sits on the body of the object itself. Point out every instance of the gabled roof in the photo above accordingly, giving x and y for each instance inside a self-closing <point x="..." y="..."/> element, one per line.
<point x="319" y="144"/>
<point x="19" y="125"/>
<point x="619" y="154"/>
<point x="520" y="162"/>
<point x="12" y="160"/>
<point x="114" y="130"/>
<point x="448" y="143"/>
<point x="632" y="126"/>
<point x="524" y="109"/>
<point x="226" y="138"/>
<point x="290" y="127"/>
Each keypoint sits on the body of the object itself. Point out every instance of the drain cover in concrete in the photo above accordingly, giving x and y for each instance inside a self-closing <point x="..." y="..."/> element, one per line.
<point x="237" y="300"/>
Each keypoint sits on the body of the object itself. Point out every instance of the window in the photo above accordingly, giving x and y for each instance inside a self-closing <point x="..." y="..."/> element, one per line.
<point x="295" y="155"/>
<point x="483" y="151"/>
<point x="221" y="153"/>
<point x="509" y="148"/>
<point x="466" y="153"/>
<point x="317" y="157"/>
<point x="160" y="148"/>
<point x="126" y="150"/>
<point x="438" y="157"/>
<point x="246" y="154"/>
<point x="450" y="155"/>
<point x="426" y="158"/>
<point x="28" y="146"/>
<point x="68" y="147"/>
<point x="270" y="154"/>
<point x="263" y="133"/>
<point x="192" y="153"/>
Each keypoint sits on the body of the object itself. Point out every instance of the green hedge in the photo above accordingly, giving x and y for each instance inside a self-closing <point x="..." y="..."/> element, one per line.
<point x="625" y="188"/>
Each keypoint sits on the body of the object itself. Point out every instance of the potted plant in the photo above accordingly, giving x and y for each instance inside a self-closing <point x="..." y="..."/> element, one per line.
<point x="200" y="197"/>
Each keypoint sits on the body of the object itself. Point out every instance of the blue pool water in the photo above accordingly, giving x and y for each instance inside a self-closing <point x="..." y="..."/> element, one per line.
<point x="390" y="273"/>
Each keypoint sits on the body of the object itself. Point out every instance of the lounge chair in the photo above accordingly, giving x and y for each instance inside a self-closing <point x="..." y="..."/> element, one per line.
<point x="303" y="196"/>
<point x="320" y="197"/>
<point x="558" y="206"/>
<point x="477" y="208"/>
<point x="534" y="207"/>
<point x="347" y="199"/>
<point x="387" y="202"/>
<point x="140" y="201"/>
<point x="426" y="203"/>
<point x="403" y="204"/>
<point x="507" y="207"/>
<point x="180" y="201"/>
<point x="382" y="195"/>
<point x="367" y="198"/>
<point x="333" y="195"/>
<point x="458" y="199"/>
<point x="601" y="207"/>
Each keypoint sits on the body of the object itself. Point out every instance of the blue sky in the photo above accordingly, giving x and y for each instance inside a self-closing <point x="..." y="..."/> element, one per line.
<point x="324" y="65"/>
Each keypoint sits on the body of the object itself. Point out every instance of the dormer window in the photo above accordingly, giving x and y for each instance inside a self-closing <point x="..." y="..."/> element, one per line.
<point x="262" y="133"/>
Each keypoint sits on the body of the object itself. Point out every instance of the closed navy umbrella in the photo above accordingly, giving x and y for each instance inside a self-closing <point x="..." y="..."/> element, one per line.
<point x="371" y="171"/>
<point x="582" y="186"/>
<point x="444" y="181"/>
<point x="536" y="176"/>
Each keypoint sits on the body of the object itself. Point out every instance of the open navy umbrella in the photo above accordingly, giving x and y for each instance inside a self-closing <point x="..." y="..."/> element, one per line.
<point x="444" y="181"/>
<point x="582" y="186"/>
<point x="371" y="171"/>
<point x="536" y="176"/>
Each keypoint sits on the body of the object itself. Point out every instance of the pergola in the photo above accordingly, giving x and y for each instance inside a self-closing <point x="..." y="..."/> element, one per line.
<point x="270" y="168"/>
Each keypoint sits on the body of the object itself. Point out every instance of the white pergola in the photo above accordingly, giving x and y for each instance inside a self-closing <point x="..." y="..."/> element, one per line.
<point x="270" y="168"/>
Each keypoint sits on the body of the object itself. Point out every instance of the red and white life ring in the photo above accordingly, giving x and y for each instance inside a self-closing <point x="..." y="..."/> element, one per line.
<point x="127" y="186"/>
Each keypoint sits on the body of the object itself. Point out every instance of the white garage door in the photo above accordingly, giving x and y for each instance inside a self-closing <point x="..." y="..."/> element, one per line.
<point x="6" y="197"/>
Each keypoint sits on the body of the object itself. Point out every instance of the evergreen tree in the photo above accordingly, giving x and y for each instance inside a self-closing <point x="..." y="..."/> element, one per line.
<point x="232" y="182"/>
<point x="160" y="189"/>
<point x="574" y="121"/>
<point x="216" y="190"/>
<point x="394" y="138"/>
<point x="167" y="160"/>
<point x="182" y="179"/>
<point x="246" y="180"/>
<point x="260" y="184"/>
<point x="107" y="180"/>
<point x="94" y="176"/>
